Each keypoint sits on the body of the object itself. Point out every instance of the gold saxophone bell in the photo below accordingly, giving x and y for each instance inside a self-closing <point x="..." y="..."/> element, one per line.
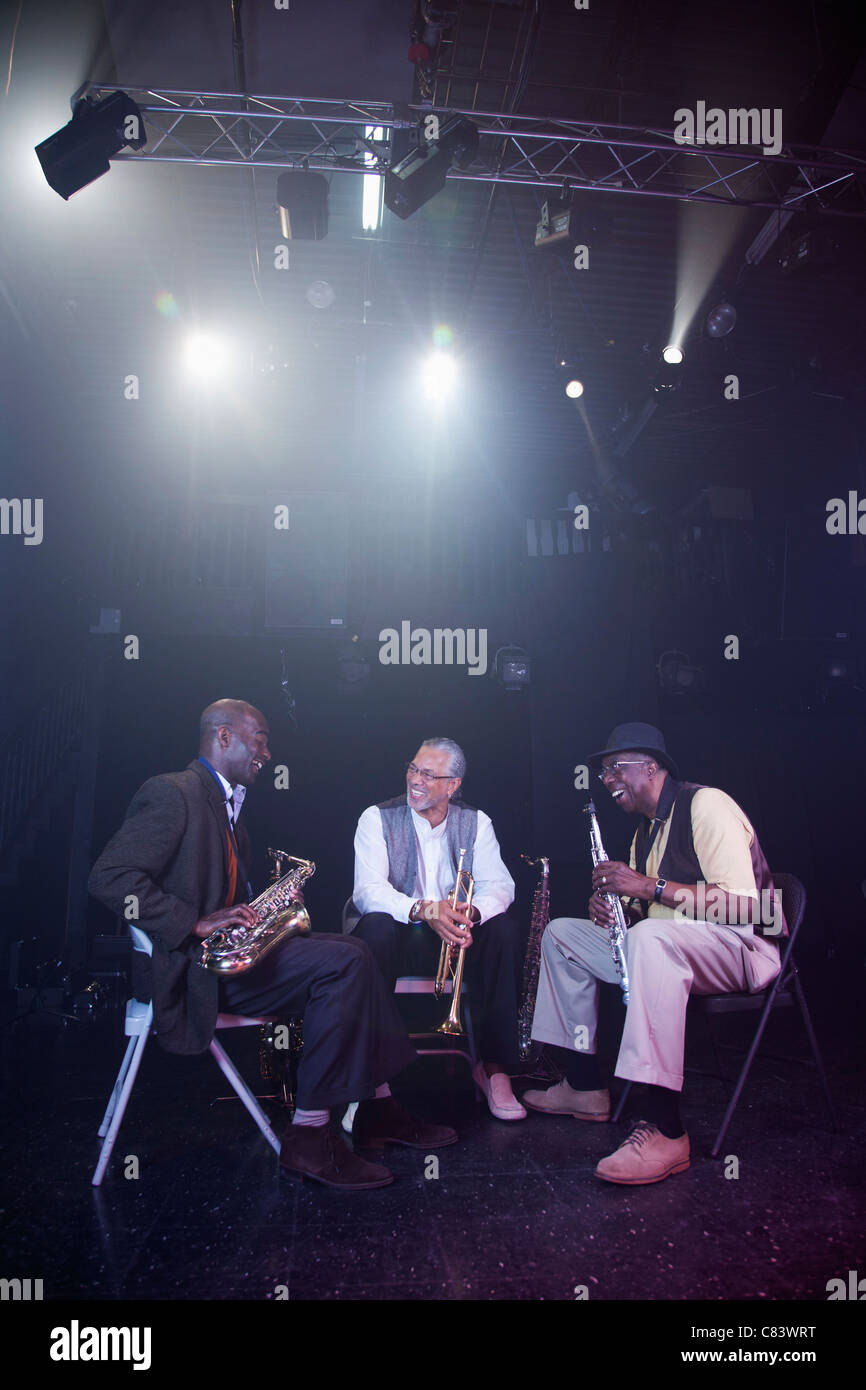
<point x="448" y="967"/>
<point x="231" y="950"/>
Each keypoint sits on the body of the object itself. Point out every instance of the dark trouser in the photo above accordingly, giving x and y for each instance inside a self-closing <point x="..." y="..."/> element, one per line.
<point x="354" y="1039"/>
<point x="492" y="969"/>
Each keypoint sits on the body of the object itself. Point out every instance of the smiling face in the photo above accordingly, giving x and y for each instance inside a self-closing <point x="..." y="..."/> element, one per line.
<point x="429" y="795"/>
<point x="634" y="781"/>
<point x="242" y="748"/>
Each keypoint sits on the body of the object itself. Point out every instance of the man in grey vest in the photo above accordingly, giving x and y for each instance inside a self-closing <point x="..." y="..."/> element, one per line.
<point x="406" y="856"/>
<point x="182" y="853"/>
<point x="704" y="919"/>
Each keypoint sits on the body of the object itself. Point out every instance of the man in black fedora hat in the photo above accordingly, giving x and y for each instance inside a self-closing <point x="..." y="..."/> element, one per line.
<point x="703" y="918"/>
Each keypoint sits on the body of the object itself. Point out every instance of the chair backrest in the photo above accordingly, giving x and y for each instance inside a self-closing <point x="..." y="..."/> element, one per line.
<point x="793" y="901"/>
<point x="350" y="916"/>
<point x="140" y="940"/>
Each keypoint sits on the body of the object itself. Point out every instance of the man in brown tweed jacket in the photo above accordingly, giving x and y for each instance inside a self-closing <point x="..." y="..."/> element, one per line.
<point x="182" y="853"/>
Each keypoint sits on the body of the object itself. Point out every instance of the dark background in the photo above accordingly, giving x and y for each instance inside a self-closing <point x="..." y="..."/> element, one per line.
<point x="159" y="508"/>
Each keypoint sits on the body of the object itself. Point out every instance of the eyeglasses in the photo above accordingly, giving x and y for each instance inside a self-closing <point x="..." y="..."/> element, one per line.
<point x="615" y="767"/>
<point x="428" y="776"/>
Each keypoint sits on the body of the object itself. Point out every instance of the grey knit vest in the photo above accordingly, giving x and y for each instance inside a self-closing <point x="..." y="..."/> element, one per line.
<point x="461" y="827"/>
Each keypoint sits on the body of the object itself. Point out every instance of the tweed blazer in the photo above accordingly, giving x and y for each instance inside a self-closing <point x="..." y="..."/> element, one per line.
<point x="171" y="853"/>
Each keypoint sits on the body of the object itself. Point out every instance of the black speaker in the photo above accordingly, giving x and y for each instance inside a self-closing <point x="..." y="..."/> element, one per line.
<point x="306" y="563"/>
<point x="302" y="198"/>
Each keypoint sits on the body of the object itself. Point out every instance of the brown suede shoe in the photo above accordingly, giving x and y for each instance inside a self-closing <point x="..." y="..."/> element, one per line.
<point x="312" y="1151"/>
<point x="645" y="1156"/>
<point x="381" y="1122"/>
<point x="562" y="1100"/>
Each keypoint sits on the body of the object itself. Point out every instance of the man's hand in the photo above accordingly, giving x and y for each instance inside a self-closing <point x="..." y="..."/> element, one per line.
<point x="241" y="915"/>
<point x="600" y="911"/>
<point x="614" y="877"/>
<point x="453" y="925"/>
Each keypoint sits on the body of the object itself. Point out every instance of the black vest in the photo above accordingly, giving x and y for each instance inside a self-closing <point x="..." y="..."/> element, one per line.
<point x="680" y="863"/>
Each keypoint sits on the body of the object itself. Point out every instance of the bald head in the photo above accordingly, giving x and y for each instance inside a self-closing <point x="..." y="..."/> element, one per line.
<point x="233" y="736"/>
<point x="223" y="712"/>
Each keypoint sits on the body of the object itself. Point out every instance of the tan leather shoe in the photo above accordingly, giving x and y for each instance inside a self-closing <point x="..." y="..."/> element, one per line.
<point x="497" y="1091"/>
<point x="562" y="1100"/>
<point x="645" y="1156"/>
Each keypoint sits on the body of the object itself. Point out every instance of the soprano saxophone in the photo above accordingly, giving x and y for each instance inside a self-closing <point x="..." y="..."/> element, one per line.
<point x="616" y="932"/>
<point x="539" y="920"/>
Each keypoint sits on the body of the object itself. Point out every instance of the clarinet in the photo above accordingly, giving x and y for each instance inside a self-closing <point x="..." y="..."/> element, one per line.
<point x="616" y="932"/>
<point x="539" y="920"/>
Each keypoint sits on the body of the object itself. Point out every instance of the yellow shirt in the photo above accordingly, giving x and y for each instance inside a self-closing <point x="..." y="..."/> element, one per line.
<point x="722" y="838"/>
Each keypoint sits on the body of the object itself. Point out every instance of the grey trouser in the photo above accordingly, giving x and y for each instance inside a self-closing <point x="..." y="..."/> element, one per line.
<point x="668" y="959"/>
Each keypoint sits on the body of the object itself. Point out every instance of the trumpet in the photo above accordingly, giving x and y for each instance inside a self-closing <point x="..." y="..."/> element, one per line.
<point x="448" y="966"/>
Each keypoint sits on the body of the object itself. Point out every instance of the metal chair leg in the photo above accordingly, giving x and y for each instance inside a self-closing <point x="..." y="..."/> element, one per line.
<point x="744" y="1072"/>
<point x="118" y="1087"/>
<point x="813" y="1043"/>
<point x="243" y="1092"/>
<point x="120" y="1106"/>
<point x="620" y="1105"/>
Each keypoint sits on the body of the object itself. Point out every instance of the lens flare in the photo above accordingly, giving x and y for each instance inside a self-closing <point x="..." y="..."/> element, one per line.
<point x="166" y="304"/>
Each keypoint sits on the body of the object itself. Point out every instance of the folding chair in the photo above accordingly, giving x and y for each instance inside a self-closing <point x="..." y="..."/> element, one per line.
<point x="138" y="1028"/>
<point x="784" y="991"/>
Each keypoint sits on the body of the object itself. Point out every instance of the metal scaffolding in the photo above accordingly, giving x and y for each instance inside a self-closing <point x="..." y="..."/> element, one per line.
<point x="275" y="132"/>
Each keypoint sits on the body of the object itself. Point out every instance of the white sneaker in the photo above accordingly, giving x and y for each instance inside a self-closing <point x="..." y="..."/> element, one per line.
<point x="497" y="1090"/>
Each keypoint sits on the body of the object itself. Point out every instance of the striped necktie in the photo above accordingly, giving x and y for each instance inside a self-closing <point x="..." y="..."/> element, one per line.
<point x="232" y="855"/>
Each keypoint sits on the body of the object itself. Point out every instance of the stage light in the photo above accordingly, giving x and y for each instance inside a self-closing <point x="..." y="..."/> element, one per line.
<point x="555" y="225"/>
<point x="80" y="153"/>
<point x="438" y="375"/>
<point x="574" y="389"/>
<point x="207" y="357"/>
<point x="353" y="668"/>
<point x="511" y="667"/>
<point x="678" y="676"/>
<point x="769" y="233"/>
<point x="320" y="294"/>
<point x="672" y="355"/>
<point x="422" y="174"/>
<point x="371" y="203"/>
<point x="721" y="320"/>
<point x="302" y="199"/>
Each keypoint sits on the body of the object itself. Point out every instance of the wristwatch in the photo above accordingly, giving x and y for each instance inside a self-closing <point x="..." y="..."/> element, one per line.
<point x="414" y="909"/>
<point x="661" y="885"/>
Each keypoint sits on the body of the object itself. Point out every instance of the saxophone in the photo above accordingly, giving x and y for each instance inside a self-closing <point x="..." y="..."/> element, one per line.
<point x="231" y="950"/>
<point x="616" y="932"/>
<point x="539" y="920"/>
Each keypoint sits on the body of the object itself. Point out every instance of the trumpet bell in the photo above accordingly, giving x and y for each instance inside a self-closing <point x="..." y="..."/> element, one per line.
<point x="453" y="1028"/>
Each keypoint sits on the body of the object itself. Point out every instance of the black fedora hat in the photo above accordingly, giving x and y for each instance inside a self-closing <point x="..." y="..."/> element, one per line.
<point x="637" y="738"/>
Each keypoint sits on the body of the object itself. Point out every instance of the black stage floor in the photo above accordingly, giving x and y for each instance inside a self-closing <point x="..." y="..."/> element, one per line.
<point x="515" y="1213"/>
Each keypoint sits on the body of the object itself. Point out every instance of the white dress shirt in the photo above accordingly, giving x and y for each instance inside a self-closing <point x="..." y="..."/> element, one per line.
<point x="494" y="886"/>
<point x="236" y="793"/>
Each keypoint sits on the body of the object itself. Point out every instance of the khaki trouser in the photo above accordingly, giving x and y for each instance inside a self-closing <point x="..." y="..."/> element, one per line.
<point x="668" y="959"/>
